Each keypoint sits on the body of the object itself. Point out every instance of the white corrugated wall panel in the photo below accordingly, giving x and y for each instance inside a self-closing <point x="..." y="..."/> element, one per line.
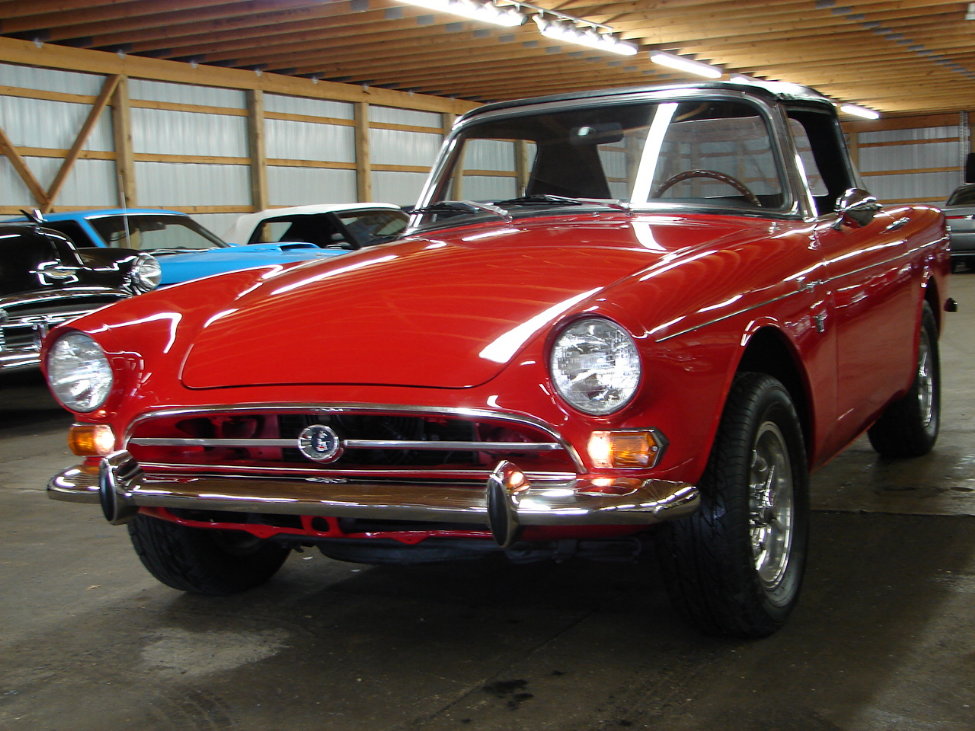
<point x="162" y="184"/>
<point x="165" y="132"/>
<point x="614" y="162"/>
<point x="52" y="125"/>
<point x="396" y="147"/>
<point x="489" y="155"/>
<point x="915" y="186"/>
<point x="391" y="115"/>
<point x="66" y="82"/>
<point x="13" y="192"/>
<point x="912" y="186"/>
<point x="489" y="187"/>
<point x="395" y="187"/>
<point x="911" y="157"/>
<point x="292" y="186"/>
<point x="218" y="223"/>
<point x="901" y="135"/>
<point x="210" y="96"/>
<point x="309" y="141"/>
<point x="90" y="184"/>
<point x="308" y="107"/>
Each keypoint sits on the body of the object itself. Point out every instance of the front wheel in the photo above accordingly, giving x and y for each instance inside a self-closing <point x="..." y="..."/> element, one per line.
<point x="909" y="426"/>
<point x="204" y="561"/>
<point x="735" y="567"/>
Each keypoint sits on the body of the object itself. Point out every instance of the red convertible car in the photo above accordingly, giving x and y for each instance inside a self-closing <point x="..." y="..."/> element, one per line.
<point x="619" y="320"/>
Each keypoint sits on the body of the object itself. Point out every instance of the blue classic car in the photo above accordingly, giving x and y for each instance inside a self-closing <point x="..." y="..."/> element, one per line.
<point x="185" y="249"/>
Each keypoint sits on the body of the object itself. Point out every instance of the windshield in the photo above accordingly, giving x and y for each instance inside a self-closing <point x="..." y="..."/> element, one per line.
<point x="346" y="229"/>
<point x="154" y="232"/>
<point x="963" y="196"/>
<point x="368" y="227"/>
<point x="710" y="153"/>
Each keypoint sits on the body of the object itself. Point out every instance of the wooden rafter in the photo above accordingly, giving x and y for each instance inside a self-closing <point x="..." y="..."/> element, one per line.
<point x="866" y="51"/>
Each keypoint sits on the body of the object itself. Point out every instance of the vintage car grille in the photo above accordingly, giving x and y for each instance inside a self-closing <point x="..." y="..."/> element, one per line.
<point x="377" y="443"/>
<point x="27" y="319"/>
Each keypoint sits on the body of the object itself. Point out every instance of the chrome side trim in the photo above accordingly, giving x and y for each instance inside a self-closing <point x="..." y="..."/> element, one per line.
<point x="716" y="320"/>
<point x="581" y="501"/>
<point x="801" y="286"/>
<point x="346" y="407"/>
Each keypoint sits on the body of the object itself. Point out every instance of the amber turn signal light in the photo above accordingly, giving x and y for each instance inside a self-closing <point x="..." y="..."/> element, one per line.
<point x="631" y="448"/>
<point x="91" y="440"/>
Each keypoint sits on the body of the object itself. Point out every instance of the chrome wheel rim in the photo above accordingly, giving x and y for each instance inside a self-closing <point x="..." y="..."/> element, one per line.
<point x="771" y="506"/>
<point x="925" y="382"/>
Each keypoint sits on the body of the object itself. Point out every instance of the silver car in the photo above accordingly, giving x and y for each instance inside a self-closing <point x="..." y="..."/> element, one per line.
<point x="960" y="213"/>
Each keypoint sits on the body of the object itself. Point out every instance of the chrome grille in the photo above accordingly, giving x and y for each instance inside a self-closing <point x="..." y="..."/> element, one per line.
<point x="376" y="443"/>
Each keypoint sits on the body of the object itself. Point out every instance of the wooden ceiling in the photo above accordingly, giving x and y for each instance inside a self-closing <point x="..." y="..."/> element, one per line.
<point x="895" y="56"/>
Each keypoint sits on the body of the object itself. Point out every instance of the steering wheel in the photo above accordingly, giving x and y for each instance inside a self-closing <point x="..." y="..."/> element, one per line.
<point x="721" y="177"/>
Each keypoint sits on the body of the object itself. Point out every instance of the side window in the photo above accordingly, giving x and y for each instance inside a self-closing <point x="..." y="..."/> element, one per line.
<point x="815" y="181"/>
<point x="71" y="229"/>
<point x="826" y="163"/>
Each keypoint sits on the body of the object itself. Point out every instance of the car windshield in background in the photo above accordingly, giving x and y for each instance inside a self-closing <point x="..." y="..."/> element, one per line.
<point x="368" y="227"/>
<point x="348" y="229"/>
<point x="963" y="196"/>
<point x="701" y="153"/>
<point x="152" y="232"/>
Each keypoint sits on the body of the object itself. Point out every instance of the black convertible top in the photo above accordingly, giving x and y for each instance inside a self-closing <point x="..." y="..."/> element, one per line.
<point x="771" y="91"/>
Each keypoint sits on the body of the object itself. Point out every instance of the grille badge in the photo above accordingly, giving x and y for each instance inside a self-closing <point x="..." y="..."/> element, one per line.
<point x="320" y="443"/>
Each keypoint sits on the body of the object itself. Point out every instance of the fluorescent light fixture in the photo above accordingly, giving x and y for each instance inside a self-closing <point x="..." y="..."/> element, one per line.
<point x="857" y="111"/>
<point x="564" y="30"/>
<point x="686" y="65"/>
<point x="486" y="12"/>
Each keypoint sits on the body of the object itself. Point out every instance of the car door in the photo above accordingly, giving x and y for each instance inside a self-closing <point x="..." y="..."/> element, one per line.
<point x="872" y="312"/>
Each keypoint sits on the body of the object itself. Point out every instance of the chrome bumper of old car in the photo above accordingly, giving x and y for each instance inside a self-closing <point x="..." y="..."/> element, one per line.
<point x="507" y="502"/>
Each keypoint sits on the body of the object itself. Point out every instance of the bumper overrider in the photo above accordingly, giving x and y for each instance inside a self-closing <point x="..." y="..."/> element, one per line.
<point x="505" y="503"/>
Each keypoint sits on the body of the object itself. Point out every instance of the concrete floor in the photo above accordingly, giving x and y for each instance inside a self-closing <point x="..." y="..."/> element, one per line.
<point x="884" y="637"/>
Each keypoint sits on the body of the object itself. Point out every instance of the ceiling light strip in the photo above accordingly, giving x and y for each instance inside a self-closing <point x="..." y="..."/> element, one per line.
<point x="687" y="65"/>
<point x="551" y="23"/>
<point x="563" y="30"/>
<point x="487" y="12"/>
<point x="856" y="110"/>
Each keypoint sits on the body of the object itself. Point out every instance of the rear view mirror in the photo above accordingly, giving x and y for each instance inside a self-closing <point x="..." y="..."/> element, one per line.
<point x="596" y="134"/>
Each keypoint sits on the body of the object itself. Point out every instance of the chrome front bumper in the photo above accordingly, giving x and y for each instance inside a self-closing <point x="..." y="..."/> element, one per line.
<point x="507" y="502"/>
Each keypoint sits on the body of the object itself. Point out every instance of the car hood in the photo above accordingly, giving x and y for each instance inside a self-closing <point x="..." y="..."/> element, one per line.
<point x="448" y="311"/>
<point x="186" y="265"/>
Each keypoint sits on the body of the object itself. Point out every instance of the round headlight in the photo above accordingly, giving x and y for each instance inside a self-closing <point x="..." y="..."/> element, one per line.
<point x="78" y="372"/>
<point x="595" y="366"/>
<point x="146" y="273"/>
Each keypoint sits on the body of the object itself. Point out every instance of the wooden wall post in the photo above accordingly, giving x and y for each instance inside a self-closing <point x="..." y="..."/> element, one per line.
<point x="258" y="149"/>
<point x="363" y="162"/>
<point x="122" y="134"/>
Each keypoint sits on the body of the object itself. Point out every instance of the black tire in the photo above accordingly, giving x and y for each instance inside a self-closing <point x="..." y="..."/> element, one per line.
<point x="735" y="566"/>
<point x="204" y="561"/>
<point x="909" y="426"/>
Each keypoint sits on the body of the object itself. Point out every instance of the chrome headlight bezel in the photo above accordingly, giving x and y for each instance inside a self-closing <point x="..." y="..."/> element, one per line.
<point x="145" y="275"/>
<point x="595" y="366"/>
<point x="78" y="372"/>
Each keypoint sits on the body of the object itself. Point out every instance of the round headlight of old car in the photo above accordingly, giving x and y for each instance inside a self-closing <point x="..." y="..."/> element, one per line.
<point x="595" y="366"/>
<point x="79" y="372"/>
<point x="146" y="274"/>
